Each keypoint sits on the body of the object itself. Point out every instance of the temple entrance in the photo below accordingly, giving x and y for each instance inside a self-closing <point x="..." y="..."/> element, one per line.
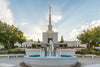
<point x="49" y="39"/>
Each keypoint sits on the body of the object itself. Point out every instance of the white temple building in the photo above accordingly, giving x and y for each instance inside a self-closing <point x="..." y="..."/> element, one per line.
<point x="51" y="35"/>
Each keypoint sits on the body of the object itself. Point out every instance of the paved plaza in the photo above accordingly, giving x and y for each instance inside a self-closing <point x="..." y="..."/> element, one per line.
<point x="83" y="61"/>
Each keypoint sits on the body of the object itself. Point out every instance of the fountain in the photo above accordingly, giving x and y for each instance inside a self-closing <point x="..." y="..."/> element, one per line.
<point x="52" y="58"/>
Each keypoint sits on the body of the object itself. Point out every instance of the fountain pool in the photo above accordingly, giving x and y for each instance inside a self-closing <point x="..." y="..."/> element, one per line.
<point x="52" y="58"/>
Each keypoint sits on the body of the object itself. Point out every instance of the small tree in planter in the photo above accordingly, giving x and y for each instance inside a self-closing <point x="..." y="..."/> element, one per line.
<point x="65" y="45"/>
<point x="60" y="45"/>
<point x="39" y="45"/>
<point x="62" y="40"/>
<point x="38" y="40"/>
<point x="34" y="45"/>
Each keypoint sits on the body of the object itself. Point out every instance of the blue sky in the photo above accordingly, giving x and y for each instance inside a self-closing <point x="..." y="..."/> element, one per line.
<point x="69" y="17"/>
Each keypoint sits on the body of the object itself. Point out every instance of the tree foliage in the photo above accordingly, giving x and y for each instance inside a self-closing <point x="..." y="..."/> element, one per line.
<point x="90" y="37"/>
<point x="38" y="40"/>
<point x="62" y="39"/>
<point x="10" y="35"/>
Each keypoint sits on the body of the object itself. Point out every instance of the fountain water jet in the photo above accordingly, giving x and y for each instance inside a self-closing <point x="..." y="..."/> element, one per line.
<point x="50" y="51"/>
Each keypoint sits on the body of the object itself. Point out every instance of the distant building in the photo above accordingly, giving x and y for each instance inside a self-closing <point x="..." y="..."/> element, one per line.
<point x="2" y="47"/>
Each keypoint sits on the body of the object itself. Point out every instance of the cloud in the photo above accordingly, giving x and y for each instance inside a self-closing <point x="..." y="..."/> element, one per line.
<point x="31" y="31"/>
<point x="5" y="12"/>
<point x="76" y="32"/>
<point x="56" y="18"/>
<point x="56" y="14"/>
<point x="24" y="23"/>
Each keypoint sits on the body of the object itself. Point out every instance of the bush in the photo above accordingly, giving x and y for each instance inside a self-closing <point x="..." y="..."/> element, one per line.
<point x="87" y="51"/>
<point x="12" y="51"/>
<point x="83" y="51"/>
<point x="39" y="45"/>
<point x="65" y="45"/>
<point x="9" y="52"/>
<point x="60" y="45"/>
<point x="97" y="53"/>
<point x="34" y="45"/>
<point x="15" y="51"/>
<point x="15" y="46"/>
<point x="78" y="52"/>
<point x="3" y="52"/>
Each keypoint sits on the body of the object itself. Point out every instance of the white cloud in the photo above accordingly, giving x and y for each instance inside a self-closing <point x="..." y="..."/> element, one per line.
<point x="31" y="31"/>
<point x="56" y="15"/>
<point x="56" y="18"/>
<point x="5" y="12"/>
<point x="24" y="23"/>
<point x="76" y="32"/>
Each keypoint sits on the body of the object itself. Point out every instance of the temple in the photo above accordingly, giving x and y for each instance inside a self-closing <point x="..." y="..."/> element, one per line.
<point x="50" y="34"/>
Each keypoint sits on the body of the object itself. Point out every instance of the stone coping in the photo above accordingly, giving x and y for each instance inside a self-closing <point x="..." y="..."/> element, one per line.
<point x="49" y="57"/>
<point x="92" y="65"/>
<point x="7" y="65"/>
<point x="68" y="50"/>
<point x="32" y="50"/>
<point x="50" y="61"/>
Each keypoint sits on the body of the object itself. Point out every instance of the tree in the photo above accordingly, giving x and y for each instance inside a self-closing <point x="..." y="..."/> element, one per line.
<point x="62" y="40"/>
<point x="31" y="40"/>
<point x="38" y="40"/>
<point x="10" y="35"/>
<point x="90" y="37"/>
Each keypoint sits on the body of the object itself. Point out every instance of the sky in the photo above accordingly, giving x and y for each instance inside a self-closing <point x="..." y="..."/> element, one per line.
<point x="69" y="17"/>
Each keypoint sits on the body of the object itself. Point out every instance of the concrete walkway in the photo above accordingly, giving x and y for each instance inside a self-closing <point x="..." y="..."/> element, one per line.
<point x="93" y="65"/>
<point x="17" y="61"/>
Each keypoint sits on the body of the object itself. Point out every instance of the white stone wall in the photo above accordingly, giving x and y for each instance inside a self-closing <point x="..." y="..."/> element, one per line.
<point x="45" y="38"/>
<point x="51" y="61"/>
<point x="68" y="51"/>
<point x="74" y="44"/>
<point x="2" y="47"/>
<point x="17" y="44"/>
<point x="97" y="48"/>
<point x="70" y="43"/>
<point x="53" y="35"/>
<point x="27" y="44"/>
<point x="63" y="51"/>
<point x="32" y="51"/>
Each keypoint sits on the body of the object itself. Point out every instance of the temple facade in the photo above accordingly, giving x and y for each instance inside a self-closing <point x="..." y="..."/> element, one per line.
<point x="50" y="34"/>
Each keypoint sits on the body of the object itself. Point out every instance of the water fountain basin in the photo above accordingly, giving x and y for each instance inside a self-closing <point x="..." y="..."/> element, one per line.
<point x="50" y="61"/>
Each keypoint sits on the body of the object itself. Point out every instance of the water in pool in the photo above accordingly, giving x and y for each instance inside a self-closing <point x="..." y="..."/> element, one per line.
<point x="49" y="56"/>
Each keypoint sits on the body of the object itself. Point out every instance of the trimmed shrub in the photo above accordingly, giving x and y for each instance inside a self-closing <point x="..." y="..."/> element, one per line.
<point x="78" y="52"/>
<point x="15" y="52"/>
<point x="34" y="45"/>
<point x="39" y="45"/>
<point x="3" y="52"/>
<point x="60" y="45"/>
<point x="87" y="51"/>
<point x="97" y="53"/>
<point x="65" y="45"/>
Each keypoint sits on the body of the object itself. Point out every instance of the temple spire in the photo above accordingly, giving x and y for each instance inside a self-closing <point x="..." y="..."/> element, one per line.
<point x="49" y="15"/>
<point x="49" y="26"/>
